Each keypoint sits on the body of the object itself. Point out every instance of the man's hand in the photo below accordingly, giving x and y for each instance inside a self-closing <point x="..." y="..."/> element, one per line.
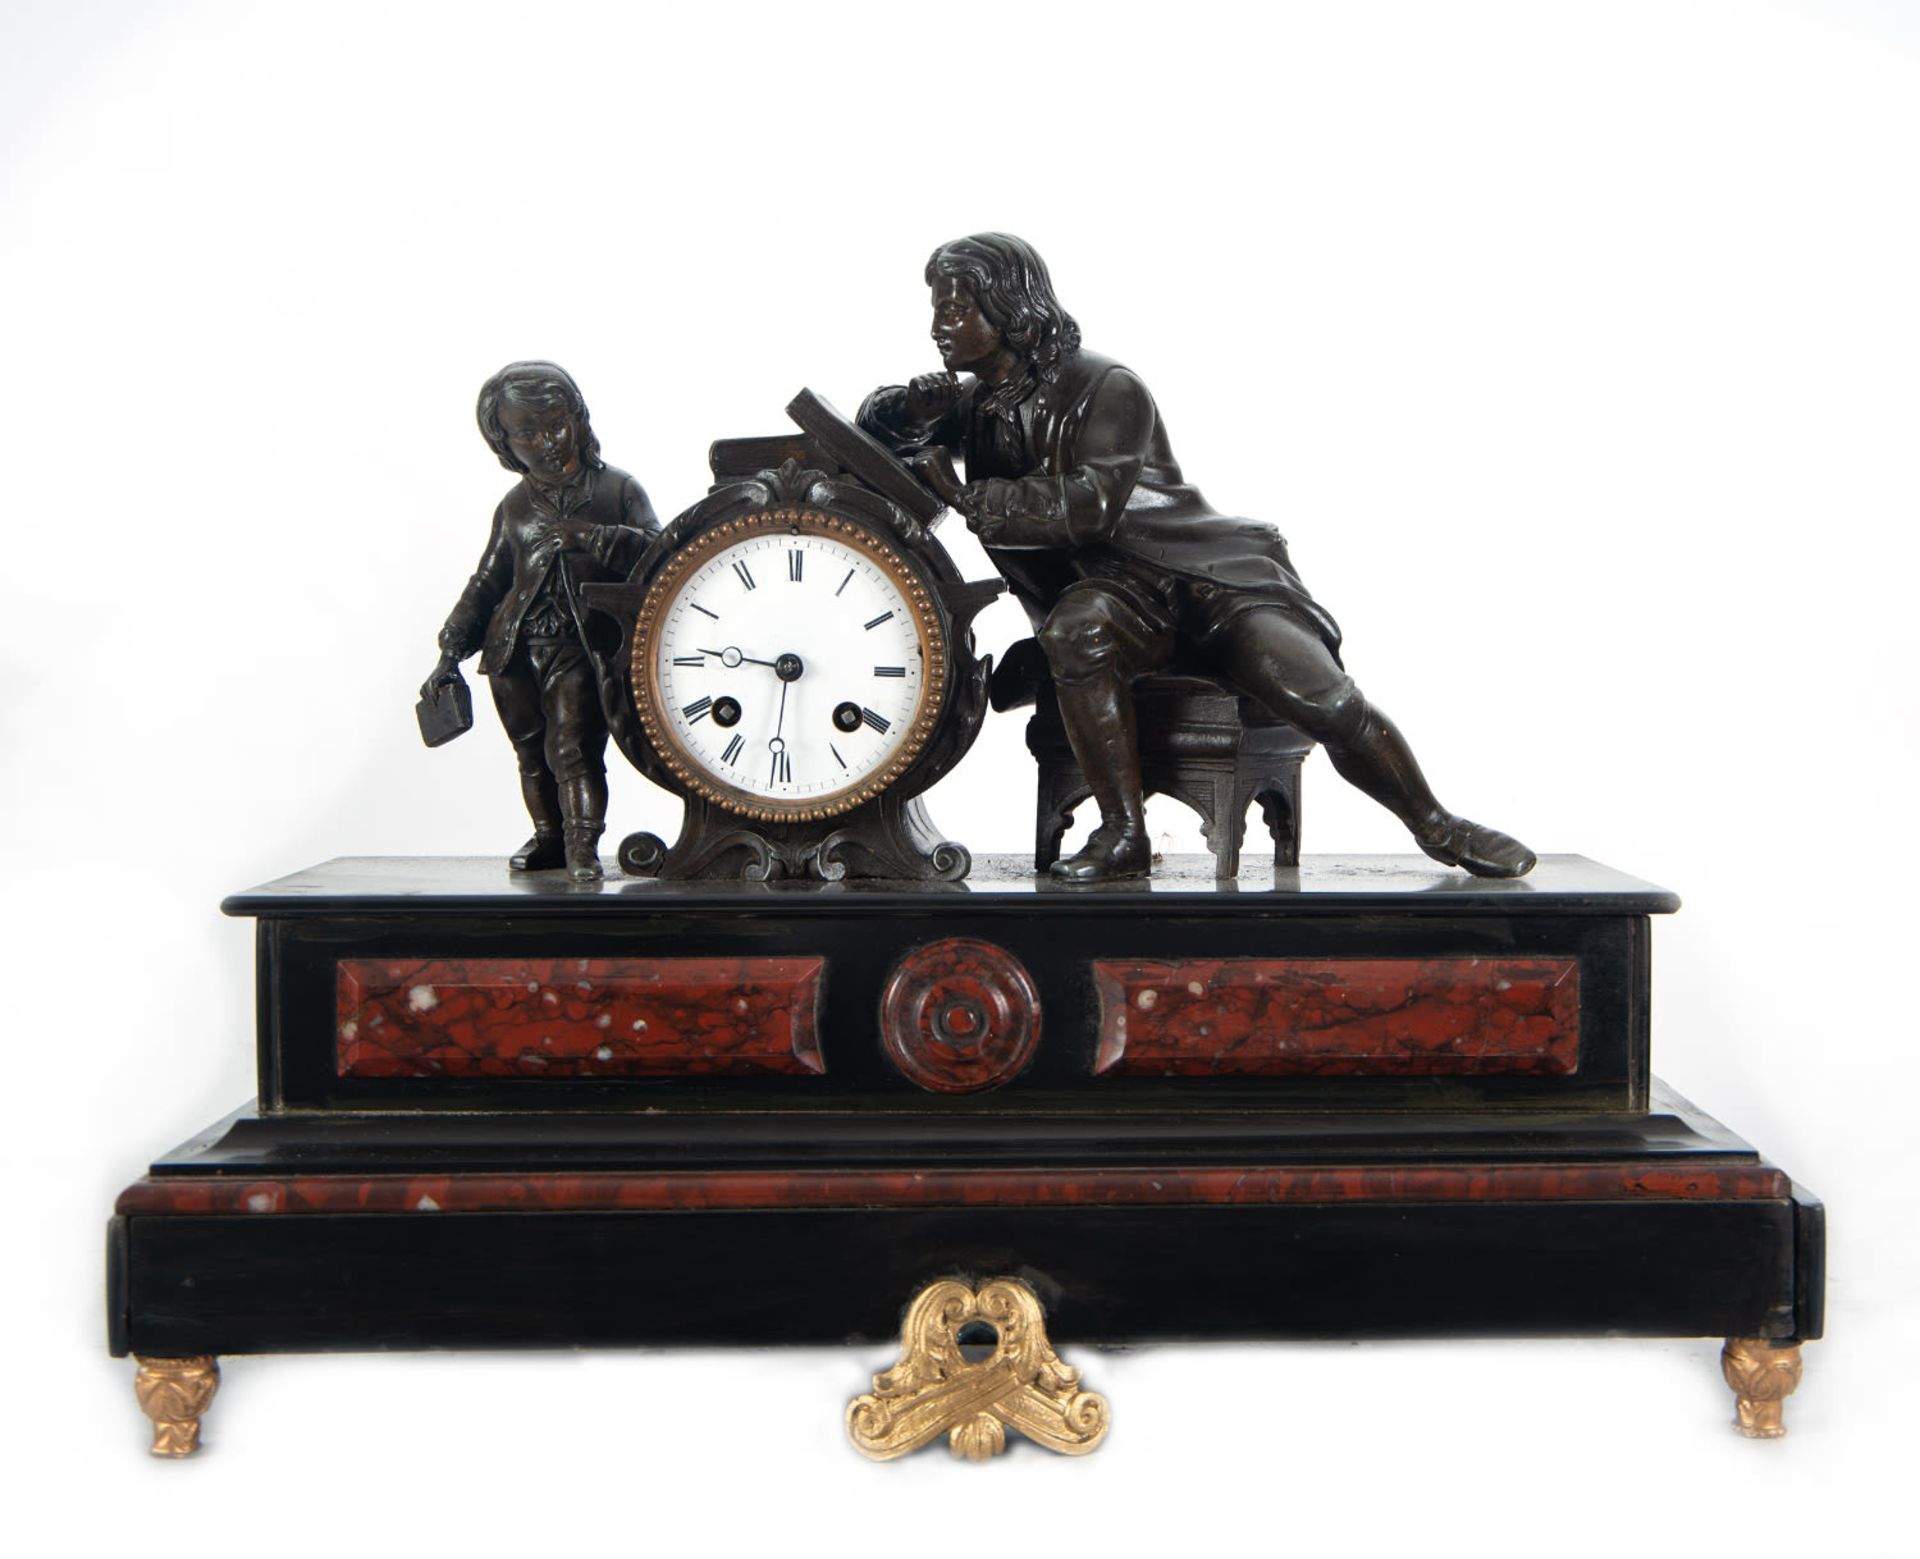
<point x="935" y="468"/>
<point x="931" y="397"/>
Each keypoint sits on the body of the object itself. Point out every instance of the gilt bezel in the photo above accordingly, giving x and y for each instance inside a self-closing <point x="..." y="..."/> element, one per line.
<point x="687" y="560"/>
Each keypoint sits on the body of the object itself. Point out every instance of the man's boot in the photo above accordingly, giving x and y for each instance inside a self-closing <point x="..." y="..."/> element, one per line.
<point x="1098" y="715"/>
<point x="546" y="849"/>
<point x="1375" y="758"/>
<point x="583" y="802"/>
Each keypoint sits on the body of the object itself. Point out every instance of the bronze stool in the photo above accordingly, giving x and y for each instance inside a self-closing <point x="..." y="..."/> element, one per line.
<point x="1201" y="743"/>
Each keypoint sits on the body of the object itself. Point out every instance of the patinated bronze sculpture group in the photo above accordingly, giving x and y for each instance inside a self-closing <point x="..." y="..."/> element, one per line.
<point x="1071" y="485"/>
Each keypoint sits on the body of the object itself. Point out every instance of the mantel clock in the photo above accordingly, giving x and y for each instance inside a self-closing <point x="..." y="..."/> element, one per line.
<point x="799" y="650"/>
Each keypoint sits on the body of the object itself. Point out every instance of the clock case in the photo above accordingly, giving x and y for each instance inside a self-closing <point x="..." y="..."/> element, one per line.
<point x="1363" y="1098"/>
<point x="834" y="469"/>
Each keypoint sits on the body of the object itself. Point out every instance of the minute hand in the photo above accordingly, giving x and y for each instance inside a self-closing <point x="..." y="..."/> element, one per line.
<point x="750" y="660"/>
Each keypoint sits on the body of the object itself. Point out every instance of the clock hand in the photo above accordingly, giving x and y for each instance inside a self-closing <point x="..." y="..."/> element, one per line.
<point x="737" y="657"/>
<point x="781" y="765"/>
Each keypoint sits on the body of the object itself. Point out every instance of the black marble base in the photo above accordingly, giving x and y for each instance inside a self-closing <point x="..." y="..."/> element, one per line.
<point x="1473" y="1157"/>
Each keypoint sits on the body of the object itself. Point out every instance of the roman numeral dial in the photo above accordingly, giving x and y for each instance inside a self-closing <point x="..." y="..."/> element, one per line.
<point x="816" y="685"/>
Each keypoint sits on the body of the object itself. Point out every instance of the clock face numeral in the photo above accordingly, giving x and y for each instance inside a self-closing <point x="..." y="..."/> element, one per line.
<point x="805" y="697"/>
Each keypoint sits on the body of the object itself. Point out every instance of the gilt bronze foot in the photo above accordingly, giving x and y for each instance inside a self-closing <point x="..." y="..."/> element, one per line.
<point x="1762" y="1375"/>
<point x="936" y="1389"/>
<point x="174" y="1393"/>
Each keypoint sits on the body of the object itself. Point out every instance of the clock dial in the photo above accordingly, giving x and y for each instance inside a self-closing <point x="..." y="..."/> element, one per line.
<point x="788" y="665"/>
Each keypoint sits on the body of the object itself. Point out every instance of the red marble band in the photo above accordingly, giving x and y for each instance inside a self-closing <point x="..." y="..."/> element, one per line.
<point x="736" y="1190"/>
<point x="1381" y="1017"/>
<point x="577" y="1017"/>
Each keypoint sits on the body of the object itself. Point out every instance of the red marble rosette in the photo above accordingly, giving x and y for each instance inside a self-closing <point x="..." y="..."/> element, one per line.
<point x="959" y="1016"/>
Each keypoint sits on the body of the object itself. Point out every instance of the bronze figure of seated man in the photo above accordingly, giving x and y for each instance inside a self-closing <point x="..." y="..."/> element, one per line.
<point x="1073" y="489"/>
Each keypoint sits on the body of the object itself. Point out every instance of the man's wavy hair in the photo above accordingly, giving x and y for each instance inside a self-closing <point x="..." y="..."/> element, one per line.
<point x="1011" y="285"/>
<point x="537" y="386"/>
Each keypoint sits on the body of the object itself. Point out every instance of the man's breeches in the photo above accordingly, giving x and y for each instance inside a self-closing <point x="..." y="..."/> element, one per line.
<point x="549" y="704"/>
<point x="1098" y="634"/>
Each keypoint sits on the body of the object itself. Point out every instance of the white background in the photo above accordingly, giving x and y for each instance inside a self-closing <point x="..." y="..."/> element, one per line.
<point x="1575" y="347"/>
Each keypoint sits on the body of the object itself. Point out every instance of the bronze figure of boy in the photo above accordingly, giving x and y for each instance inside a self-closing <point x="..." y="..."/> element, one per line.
<point x="1073" y="489"/>
<point x="572" y="519"/>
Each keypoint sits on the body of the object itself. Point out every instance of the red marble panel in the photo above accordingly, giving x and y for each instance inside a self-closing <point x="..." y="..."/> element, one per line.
<point x="577" y="1017"/>
<point x="1382" y="1017"/>
<point x="696" y="1190"/>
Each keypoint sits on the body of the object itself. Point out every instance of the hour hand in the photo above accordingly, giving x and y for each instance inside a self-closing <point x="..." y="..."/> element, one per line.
<point x="731" y="657"/>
